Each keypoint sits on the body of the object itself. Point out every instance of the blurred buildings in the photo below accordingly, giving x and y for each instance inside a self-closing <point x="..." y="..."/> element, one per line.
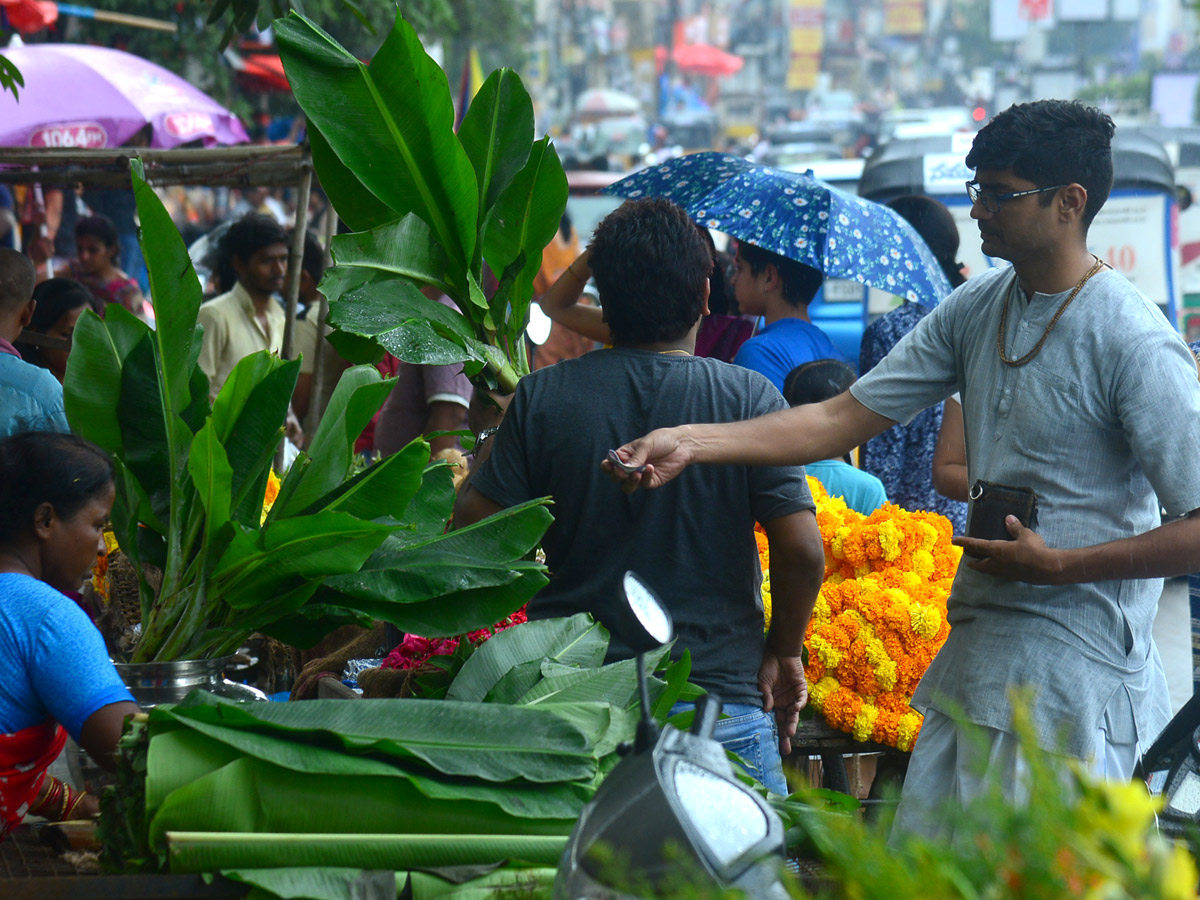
<point x="806" y="57"/>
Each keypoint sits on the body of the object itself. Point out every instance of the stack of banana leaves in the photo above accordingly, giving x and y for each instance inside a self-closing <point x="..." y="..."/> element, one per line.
<point x="337" y="798"/>
<point x="316" y="792"/>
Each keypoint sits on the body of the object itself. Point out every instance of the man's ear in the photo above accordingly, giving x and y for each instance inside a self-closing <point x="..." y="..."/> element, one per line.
<point x="1071" y="201"/>
<point x="27" y="313"/>
<point x="704" y="311"/>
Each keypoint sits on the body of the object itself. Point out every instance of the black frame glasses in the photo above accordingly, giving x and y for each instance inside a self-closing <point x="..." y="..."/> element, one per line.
<point x="991" y="202"/>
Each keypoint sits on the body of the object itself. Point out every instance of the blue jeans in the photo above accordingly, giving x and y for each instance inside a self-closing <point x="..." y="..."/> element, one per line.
<point x="751" y="735"/>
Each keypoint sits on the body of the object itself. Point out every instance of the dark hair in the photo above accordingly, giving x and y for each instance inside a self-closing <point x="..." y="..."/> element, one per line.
<point x="800" y="282"/>
<point x="39" y="467"/>
<point x="650" y="266"/>
<point x="55" y="298"/>
<point x="1051" y="142"/>
<point x="101" y="228"/>
<point x="17" y="277"/>
<point x="313" y="261"/>
<point x="933" y="222"/>
<point x="249" y="234"/>
<point x="817" y="381"/>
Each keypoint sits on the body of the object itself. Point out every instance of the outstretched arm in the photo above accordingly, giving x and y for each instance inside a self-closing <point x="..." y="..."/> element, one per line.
<point x="561" y="303"/>
<point x="797" y="568"/>
<point x="1163" y="552"/>
<point x="796" y="436"/>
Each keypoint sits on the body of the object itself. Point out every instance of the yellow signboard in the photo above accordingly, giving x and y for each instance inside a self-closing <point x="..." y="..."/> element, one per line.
<point x="806" y="21"/>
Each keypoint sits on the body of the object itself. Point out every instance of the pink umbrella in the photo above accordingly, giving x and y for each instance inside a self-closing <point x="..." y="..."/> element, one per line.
<point x="77" y="95"/>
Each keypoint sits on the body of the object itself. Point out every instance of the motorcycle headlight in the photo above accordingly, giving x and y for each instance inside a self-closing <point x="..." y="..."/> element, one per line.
<point x="1185" y="799"/>
<point x="722" y="813"/>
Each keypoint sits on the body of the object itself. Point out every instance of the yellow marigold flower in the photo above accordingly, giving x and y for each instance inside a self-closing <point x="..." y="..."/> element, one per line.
<point x="890" y="538"/>
<point x="766" y="599"/>
<point x="864" y="722"/>
<point x="926" y="621"/>
<point x="819" y="692"/>
<point x="270" y="495"/>
<point x="830" y="655"/>
<point x="908" y="729"/>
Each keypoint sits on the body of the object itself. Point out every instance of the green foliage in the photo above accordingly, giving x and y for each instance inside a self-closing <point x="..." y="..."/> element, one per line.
<point x="10" y="77"/>
<point x="209" y="784"/>
<point x="338" y="546"/>
<point x="431" y="208"/>
<point x="1070" y="837"/>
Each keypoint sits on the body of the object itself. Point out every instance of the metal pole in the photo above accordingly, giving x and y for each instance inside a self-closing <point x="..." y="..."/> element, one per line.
<point x="292" y="287"/>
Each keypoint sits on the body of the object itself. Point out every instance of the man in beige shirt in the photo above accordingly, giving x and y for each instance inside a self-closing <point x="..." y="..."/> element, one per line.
<point x="247" y="318"/>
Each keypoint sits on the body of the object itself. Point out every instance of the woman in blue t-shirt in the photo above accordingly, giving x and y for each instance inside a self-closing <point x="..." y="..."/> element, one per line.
<point x="56" y="491"/>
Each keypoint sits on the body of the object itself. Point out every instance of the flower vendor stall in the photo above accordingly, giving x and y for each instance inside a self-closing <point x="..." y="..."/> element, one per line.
<point x="876" y="625"/>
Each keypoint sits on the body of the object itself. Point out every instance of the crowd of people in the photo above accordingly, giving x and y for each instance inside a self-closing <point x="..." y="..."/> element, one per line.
<point x="1052" y="376"/>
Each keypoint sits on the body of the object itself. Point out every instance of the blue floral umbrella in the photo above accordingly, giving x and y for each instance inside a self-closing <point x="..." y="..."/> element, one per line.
<point x="797" y="216"/>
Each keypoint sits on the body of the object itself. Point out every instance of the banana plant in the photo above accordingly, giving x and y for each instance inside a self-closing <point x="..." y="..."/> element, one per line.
<point x="336" y="547"/>
<point x="429" y="207"/>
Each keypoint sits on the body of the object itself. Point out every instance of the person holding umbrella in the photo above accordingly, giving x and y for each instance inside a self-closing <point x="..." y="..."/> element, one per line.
<point x="778" y="289"/>
<point x="1078" y="396"/>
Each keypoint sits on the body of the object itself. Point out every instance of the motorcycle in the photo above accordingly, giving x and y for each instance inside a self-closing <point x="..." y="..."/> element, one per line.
<point x="672" y="812"/>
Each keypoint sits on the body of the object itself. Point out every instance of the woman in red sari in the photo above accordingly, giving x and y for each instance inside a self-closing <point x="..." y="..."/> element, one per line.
<point x="56" y="492"/>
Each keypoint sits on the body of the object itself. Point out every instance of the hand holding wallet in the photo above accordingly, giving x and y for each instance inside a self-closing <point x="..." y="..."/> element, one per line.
<point x="992" y="503"/>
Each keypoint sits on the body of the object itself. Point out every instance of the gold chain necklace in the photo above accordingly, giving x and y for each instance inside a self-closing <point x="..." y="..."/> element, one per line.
<point x="665" y="352"/>
<point x="1017" y="363"/>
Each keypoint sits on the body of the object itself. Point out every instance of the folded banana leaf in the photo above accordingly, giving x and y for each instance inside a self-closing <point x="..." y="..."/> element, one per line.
<point x="210" y="852"/>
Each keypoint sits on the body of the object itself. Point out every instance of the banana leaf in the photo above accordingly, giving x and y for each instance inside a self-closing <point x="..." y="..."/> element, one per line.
<point x="178" y="757"/>
<point x="359" y="393"/>
<point x="92" y="385"/>
<point x="454" y="613"/>
<point x="391" y="124"/>
<point x="208" y="851"/>
<point x="528" y="884"/>
<point x="574" y="641"/>
<point x="355" y="204"/>
<point x="496" y="133"/>
<point x="310" y="882"/>
<point x="404" y="247"/>
<point x="252" y="796"/>
<point x="248" y="415"/>
<point x="382" y="490"/>
<point x="523" y="221"/>
<point x="486" y="741"/>
<point x="393" y="313"/>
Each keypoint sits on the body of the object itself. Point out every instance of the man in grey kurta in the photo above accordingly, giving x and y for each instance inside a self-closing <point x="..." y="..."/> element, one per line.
<point x="1087" y="396"/>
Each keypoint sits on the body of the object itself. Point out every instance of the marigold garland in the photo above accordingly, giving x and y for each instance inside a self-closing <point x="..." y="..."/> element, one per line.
<point x="880" y="616"/>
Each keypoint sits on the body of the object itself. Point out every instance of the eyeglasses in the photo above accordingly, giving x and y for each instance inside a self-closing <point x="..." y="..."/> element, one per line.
<point x="991" y="201"/>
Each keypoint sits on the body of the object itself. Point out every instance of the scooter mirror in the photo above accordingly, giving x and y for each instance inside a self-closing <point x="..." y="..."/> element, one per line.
<point x="651" y="624"/>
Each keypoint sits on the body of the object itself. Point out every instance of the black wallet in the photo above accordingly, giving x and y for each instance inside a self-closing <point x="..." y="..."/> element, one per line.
<point x="992" y="503"/>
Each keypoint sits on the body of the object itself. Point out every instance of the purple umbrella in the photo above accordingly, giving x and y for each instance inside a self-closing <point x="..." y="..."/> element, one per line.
<point x="76" y="95"/>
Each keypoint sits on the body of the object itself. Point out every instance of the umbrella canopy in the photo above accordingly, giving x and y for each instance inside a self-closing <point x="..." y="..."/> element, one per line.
<point x="606" y="102"/>
<point x="83" y="96"/>
<point x="27" y="16"/>
<point x="797" y="216"/>
<point x="700" y="59"/>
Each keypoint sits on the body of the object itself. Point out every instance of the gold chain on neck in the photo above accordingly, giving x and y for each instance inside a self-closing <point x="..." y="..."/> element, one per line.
<point x="1017" y="363"/>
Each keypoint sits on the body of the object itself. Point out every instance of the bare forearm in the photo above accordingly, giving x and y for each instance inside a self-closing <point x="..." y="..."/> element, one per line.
<point x="797" y="570"/>
<point x="445" y="416"/>
<point x="562" y="303"/>
<point x="1169" y="550"/>
<point x="795" y="436"/>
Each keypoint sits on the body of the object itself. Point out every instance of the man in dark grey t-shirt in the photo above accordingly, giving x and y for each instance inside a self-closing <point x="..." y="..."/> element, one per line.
<point x="694" y="544"/>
